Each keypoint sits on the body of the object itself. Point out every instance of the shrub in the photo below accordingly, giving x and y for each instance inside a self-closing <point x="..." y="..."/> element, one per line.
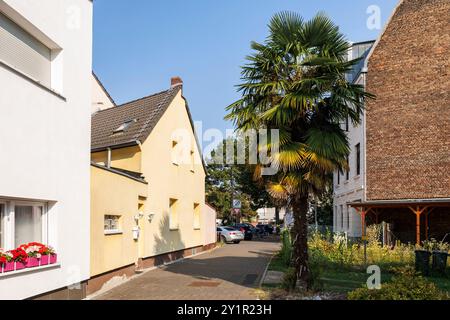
<point x="406" y="285"/>
<point x="289" y="279"/>
<point x="286" y="249"/>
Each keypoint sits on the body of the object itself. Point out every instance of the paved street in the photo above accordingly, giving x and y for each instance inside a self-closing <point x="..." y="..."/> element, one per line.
<point x="230" y="272"/>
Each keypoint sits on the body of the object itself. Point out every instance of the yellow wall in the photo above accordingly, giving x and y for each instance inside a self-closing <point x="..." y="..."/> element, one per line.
<point x="113" y="194"/>
<point x="168" y="181"/>
<point x="125" y="158"/>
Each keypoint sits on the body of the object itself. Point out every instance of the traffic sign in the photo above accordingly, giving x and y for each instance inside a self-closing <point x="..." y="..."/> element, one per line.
<point x="237" y="204"/>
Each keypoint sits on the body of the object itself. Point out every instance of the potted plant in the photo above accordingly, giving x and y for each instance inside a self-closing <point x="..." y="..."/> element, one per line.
<point x="48" y="255"/>
<point x="423" y="258"/>
<point x="20" y="257"/>
<point x="6" y="262"/>
<point x="440" y="254"/>
<point x="32" y="250"/>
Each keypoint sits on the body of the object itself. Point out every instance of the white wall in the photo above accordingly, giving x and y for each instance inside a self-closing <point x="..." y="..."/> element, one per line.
<point x="100" y="100"/>
<point x="45" y="140"/>
<point x="209" y="227"/>
<point x="353" y="189"/>
<point x="267" y="215"/>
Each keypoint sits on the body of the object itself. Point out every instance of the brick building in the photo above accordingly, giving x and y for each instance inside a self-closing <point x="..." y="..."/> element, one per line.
<point x="407" y="128"/>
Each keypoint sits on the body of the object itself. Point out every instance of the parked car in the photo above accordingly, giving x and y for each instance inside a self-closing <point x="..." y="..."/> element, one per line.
<point x="245" y="229"/>
<point x="265" y="228"/>
<point x="229" y="234"/>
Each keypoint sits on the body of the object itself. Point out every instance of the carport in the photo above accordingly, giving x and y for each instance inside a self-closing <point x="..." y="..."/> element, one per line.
<point x="397" y="210"/>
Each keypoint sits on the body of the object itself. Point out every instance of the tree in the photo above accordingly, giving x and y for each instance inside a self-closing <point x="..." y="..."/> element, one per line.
<point x="223" y="184"/>
<point x="296" y="82"/>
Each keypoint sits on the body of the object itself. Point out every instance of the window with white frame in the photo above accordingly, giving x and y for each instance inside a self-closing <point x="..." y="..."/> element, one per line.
<point x="22" y="222"/>
<point x="23" y="52"/>
<point x="173" y="214"/>
<point x="196" y="216"/>
<point x="112" y="224"/>
<point x="2" y="213"/>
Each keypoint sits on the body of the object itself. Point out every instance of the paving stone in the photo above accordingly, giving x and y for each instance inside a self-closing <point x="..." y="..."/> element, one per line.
<point x="227" y="273"/>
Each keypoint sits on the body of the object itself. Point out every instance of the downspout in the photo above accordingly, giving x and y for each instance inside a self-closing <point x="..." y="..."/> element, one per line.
<point x="108" y="160"/>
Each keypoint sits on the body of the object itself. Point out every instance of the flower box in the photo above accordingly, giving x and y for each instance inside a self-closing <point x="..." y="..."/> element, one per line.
<point x="44" y="260"/>
<point x="53" y="258"/>
<point x="20" y="265"/>
<point x="32" y="262"/>
<point x="8" y="266"/>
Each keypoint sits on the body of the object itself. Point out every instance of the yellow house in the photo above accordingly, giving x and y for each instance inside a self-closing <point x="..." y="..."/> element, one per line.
<point x="147" y="187"/>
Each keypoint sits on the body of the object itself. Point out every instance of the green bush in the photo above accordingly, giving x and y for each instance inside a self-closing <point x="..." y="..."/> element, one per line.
<point x="286" y="249"/>
<point x="406" y="285"/>
<point x="289" y="279"/>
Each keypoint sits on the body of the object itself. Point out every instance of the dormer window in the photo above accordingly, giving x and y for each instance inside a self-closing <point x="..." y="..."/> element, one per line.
<point x="123" y="127"/>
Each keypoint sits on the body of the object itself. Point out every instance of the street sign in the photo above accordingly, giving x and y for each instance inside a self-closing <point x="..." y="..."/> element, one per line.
<point x="236" y="212"/>
<point x="237" y="204"/>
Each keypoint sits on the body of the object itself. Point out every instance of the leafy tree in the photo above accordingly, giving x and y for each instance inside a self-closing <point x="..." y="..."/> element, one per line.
<point x="223" y="184"/>
<point x="296" y="82"/>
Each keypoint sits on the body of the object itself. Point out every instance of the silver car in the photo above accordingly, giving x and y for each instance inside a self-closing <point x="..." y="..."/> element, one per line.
<point x="228" y="234"/>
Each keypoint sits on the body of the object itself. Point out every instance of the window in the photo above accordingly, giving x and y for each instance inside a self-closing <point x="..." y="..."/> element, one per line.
<point x="347" y="125"/>
<point x="335" y="218"/>
<point x="124" y="126"/>
<point x="173" y="214"/>
<point x="175" y="152"/>
<point x="28" y="224"/>
<point x="196" y="216"/>
<point x="192" y="161"/>
<point x="23" y="52"/>
<point x="2" y="214"/>
<point x="112" y="224"/>
<point x="338" y="178"/>
<point x="342" y="216"/>
<point x="358" y="159"/>
<point x="347" y="174"/>
<point x="22" y="222"/>
<point x="348" y="219"/>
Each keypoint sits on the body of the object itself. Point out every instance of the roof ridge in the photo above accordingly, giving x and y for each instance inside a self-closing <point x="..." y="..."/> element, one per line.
<point x="132" y="101"/>
<point x="146" y="97"/>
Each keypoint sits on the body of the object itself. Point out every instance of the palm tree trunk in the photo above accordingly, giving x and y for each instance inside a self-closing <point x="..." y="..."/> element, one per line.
<point x="300" y="236"/>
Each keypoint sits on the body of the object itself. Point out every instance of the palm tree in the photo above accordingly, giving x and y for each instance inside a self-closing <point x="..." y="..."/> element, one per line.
<point x="296" y="82"/>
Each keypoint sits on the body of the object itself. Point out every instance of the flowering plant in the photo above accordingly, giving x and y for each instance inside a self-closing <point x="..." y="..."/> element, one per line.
<point x="5" y="256"/>
<point x="19" y="255"/>
<point x="36" y="249"/>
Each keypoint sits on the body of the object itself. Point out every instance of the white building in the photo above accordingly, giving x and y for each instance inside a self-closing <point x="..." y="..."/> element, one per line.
<point x="45" y="108"/>
<point x="350" y="186"/>
<point x="267" y="215"/>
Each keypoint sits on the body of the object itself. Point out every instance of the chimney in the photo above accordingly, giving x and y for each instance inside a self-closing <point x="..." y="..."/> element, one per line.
<point x="176" y="81"/>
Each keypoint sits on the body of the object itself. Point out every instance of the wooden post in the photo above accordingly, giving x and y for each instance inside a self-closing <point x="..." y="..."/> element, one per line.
<point x="363" y="223"/>
<point x="418" y="227"/>
<point x="426" y="225"/>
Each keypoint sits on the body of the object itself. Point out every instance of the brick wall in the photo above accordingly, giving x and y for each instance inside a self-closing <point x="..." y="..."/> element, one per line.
<point x="408" y="126"/>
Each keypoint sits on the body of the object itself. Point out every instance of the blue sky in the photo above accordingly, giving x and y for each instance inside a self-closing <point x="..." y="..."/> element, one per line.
<point x="140" y="44"/>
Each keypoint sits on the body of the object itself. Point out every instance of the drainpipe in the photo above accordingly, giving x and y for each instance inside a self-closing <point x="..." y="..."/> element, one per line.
<point x="108" y="161"/>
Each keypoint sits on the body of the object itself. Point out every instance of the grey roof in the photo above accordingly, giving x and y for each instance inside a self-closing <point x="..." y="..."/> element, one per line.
<point x="146" y="112"/>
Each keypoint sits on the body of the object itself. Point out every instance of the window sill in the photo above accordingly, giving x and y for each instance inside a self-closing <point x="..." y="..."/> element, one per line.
<point x="29" y="270"/>
<point x="32" y="80"/>
<point x="174" y="228"/>
<point x="113" y="232"/>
